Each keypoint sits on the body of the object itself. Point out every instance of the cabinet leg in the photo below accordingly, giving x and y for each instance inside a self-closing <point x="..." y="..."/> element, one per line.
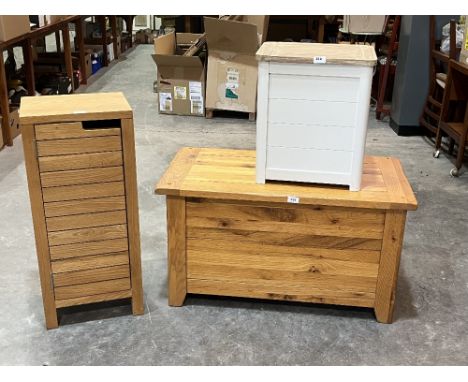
<point x="137" y="306"/>
<point x="51" y="318"/>
<point x="177" y="274"/>
<point x="389" y="265"/>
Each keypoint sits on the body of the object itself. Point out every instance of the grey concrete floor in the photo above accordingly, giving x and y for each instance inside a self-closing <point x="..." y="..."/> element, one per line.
<point x="431" y="306"/>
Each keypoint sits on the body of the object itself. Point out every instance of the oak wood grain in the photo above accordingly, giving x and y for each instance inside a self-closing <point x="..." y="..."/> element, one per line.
<point x="89" y="289"/>
<point x="78" y="146"/>
<point x="91" y="275"/>
<point x="85" y="176"/>
<point x="80" y="161"/>
<point x="40" y="229"/>
<point x="83" y="191"/>
<point x="90" y="262"/>
<point x="71" y="130"/>
<point x="74" y="207"/>
<point x="87" y="234"/>
<point x="98" y="219"/>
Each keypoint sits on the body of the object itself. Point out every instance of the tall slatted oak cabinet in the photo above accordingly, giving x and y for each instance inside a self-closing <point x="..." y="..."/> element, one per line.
<point x="80" y="162"/>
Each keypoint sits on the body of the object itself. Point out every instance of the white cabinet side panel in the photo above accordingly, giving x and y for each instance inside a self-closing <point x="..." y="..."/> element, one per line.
<point x="315" y="70"/>
<point x="315" y="88"/>
<point x="362" y="118"/>
<point x="311" y="136"/>
<point x="326" y="161"/>
<point x="313" y="112"/>
<point x="262" y="121"/>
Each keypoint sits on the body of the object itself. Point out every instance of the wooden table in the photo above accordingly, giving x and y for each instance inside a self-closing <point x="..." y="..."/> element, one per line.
<point x="229" y="236"/>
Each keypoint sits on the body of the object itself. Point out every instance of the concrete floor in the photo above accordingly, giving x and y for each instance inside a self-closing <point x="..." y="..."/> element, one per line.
<point x="431" y="307"/>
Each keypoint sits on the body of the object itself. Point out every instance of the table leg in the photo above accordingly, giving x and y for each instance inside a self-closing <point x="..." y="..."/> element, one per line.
<point x="129" y="25"/>
<point x="57" y="41"/>
<point x="81" y="49"/>
<point x="113" y="23"/>
<point x="102" y="24"/>
<point x="177" y="273"/>
<point x="4" y="106"/>
<point x="68" y="56"/>
<point x="389" y="265"/>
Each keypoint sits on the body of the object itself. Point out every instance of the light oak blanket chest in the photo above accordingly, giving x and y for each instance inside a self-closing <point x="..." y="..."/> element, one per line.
<point x="80" y="161"/>
<point x="229" y="236"/>
<point x="312" y="111"/>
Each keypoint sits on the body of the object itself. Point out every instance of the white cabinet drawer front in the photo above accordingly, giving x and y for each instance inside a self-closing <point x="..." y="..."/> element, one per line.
<point x="316" y="88"/>
<point x="322" y="161"/>
<point x="312" y="112"/>
<point x="310" y="136"/>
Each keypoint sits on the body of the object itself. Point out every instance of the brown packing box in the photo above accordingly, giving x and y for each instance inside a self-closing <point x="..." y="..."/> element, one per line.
<point x="88" y="62"/>
<point x="55" y="18"/>
<point x="181" y="79"/>
<point x="231" y="82"/>
<point x="14" y="123"/>
<point x="13" y="26"/>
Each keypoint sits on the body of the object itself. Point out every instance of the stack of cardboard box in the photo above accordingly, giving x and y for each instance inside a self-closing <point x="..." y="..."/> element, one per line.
<point x="231" y="79"/>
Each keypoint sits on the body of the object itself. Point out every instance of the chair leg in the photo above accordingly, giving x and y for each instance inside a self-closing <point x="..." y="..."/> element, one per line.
<point x="438" y="141"/>
<point x="460" y="154"/>
<point x="451" y="146"/>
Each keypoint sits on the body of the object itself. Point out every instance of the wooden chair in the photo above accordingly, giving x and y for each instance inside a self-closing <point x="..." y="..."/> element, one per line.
<point x="454" y="115"/>
<point x="386" y="71"/>
<point x="438" y="62"/>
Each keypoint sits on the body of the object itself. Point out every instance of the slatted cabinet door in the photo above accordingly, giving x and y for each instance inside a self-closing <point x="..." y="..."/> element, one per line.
<point x="85" y="186"/>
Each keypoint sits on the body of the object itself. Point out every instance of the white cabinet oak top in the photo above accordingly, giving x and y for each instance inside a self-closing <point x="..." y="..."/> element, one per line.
<point x="299" y="52"/>
<point x="62" y="108"/>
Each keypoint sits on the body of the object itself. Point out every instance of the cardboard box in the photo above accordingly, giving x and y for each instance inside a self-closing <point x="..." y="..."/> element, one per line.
<point x="181" y="79"/>
<point x="464" y="47"/>
<point x="232" y="67"/>
<point x="51" y="19"/>
<point x="364" y="24"/>
<point x="145" y="36"/>
<point x="98" y="49"/>
<point x="14" y="123"/>
<point x="13" y="26"/>
<point x="88" y="62"/>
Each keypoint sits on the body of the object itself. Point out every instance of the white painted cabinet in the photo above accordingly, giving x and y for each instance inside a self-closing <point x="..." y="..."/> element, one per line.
<point x="311" y="117"/>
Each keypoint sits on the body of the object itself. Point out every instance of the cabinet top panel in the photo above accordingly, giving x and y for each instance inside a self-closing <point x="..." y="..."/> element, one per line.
<point x="341" y="54"/>
<point x="74" y="107"/>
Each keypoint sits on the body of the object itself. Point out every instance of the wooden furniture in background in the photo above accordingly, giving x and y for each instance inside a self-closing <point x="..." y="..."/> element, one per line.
<point x="454" y="115"/>
<point x="80" y="161"/>
<point x="438" y="66"/>
<point x="387" y="71"/>
<point x="26" y="42"/>
<point x="229" y="236"/>
<point x="311" y="116"/>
